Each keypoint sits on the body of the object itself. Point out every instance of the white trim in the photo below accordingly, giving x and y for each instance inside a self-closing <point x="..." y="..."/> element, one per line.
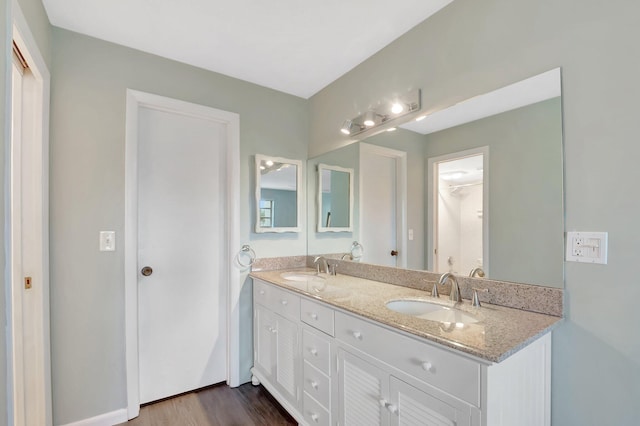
<point x="106" y="419"/>
<point x="300" y="194"/>
<point x="321" y="226"/>
<point x="432" y="211"/>
<point x="401" y="194"/>
<point x="136" y="100"/>
<point x="40" y="403"/>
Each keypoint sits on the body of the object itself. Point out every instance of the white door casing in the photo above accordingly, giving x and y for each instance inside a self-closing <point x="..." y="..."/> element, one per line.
<point x="27" y="222"/>
<point x="383" y="200"/>
<point x="140" y="104"/>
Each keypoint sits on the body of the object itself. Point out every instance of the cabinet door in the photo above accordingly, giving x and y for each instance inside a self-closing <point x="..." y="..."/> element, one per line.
<point x="287" y="357"/>
<point x="264" y="329"/>
<point x="413" y="407"/>
<point x="362" y="389"/>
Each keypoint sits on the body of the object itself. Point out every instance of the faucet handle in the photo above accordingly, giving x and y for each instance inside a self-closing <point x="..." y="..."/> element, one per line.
<point x="434" y="290"/>
<point x="476" y="301"/>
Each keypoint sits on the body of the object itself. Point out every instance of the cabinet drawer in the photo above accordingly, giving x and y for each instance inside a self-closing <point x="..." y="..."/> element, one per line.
<point x="279" y="301"/>
<point x="316" y="350"/>
<point x="314" y="413"/>
<point x="445" y="370"/>
<point x="317" y="315"/>
<point x="317" y="384"/>
<point x="261" y="292"/>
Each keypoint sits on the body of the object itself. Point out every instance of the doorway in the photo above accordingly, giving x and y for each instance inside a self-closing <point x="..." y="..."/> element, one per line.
<point x="28" y="233"/>
<point x="458" y="219"/>
<point x="383" y="201"/>
<point x="182" y="229"/>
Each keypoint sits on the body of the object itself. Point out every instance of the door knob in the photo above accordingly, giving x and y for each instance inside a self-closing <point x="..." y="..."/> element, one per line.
<point x="394" y="252"/>
<point x="146" y="271"/>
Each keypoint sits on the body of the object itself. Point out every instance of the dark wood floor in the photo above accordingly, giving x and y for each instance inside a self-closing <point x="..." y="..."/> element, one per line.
<point x="217" y="405"/>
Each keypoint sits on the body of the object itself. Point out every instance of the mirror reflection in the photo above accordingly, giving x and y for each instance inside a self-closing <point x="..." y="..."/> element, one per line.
<point x="507" y="201"/>
<point x="278" y="197"/>
<point x="335" y="198"/>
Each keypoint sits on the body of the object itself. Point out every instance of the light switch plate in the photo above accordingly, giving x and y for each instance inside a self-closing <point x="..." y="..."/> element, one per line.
<point x="587" y="247"/>
<point x="107" y="241"/>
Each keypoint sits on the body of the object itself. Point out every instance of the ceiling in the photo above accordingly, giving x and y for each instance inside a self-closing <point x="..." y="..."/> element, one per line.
<point x="294" y="46"/>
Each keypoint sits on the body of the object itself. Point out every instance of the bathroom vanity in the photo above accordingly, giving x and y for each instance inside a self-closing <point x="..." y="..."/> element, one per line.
<point x="332" y="353"/>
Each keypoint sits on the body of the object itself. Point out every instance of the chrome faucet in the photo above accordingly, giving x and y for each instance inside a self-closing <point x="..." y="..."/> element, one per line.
<point x="476" y="271"/>
<point x="455" y="288"/>
<point x="325" y="264"/>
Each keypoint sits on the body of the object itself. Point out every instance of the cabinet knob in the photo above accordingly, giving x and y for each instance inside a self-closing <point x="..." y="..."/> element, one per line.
<point x="313" y="351"/>
<point x="314" y="316"/>
<point x="261" y="291"/>
<point x="314" y="384"/>
<point x="273" y="330"/>
<point x="357" y="335"/>
<point x="314" y="417"/>
<point x="427" y="366"/>
<point x="392" y="408"/>
<point x="284" y="302"/>
<point x="383" y="403"/>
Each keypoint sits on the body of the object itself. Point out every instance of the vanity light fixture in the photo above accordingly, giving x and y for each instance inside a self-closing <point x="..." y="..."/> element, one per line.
<point x="383" y="116"/>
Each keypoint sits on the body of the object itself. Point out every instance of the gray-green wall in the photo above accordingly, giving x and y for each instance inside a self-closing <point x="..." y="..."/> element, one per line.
<point x="472" y="47"/>
<point x="89" y="80"/>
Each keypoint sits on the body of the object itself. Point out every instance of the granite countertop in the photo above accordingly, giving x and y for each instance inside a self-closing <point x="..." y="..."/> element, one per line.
<point x="499" y="332"/>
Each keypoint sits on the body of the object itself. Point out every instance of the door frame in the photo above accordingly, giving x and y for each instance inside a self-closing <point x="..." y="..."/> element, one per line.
<point x="432" y="210"/>
<point x="135" y="101"/>
<point x="401" y="197"/>
<point x="38" y="129"/>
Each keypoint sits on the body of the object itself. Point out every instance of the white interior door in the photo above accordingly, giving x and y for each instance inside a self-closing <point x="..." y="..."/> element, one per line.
<point x="182" y="304"/>
<point x="382" y="211"/>
<point x="30" y="379"/>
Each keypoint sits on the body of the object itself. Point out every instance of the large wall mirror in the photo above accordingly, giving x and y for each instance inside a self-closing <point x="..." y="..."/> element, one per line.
<point x="279" y="194"/>
<point x="479" y="184"/>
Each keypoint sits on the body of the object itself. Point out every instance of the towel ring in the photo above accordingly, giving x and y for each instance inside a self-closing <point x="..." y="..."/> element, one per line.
<point x="356" y="251"/>
<point x="246" y="252"/>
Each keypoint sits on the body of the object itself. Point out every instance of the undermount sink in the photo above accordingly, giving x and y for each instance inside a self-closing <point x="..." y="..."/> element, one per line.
<point x="431" y="311"/>
<point x="301" y="276"/>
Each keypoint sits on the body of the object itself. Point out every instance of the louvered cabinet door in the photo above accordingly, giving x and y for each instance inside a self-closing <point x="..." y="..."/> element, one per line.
<point x="413" y="407"/>
<point x="287" y="350"/>
<point x="363" y="391"/>
<point x="263" y="336"/>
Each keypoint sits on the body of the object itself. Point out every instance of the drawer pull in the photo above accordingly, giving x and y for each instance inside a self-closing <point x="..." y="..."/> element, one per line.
<point x="314" y="316"/>
<point x="389" y="406"/>
<point x="357" y="335"/>
<point x="427" y="366"/>
<point x="314" y="417"/>
<point x="314" y="384"/>
<point x="284" y="302"/>
<point x="313" y="351"/>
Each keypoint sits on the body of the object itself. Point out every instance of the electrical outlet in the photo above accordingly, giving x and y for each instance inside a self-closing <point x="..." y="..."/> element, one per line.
<point x="587" y="247"/>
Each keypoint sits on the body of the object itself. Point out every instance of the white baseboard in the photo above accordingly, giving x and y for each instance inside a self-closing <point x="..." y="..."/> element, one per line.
<point x="106" y="419"/>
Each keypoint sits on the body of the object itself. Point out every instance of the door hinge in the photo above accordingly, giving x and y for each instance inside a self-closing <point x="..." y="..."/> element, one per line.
<point x="27" y="283"/>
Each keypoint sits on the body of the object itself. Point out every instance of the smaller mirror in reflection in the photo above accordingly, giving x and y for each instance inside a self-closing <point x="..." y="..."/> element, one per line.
<point x="278" y="197"/>
<point x="335" y="199"/>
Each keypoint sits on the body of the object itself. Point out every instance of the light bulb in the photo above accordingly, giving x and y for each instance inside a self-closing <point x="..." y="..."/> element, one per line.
<point x="397" y="108"/>
<point x="369" y="119"/>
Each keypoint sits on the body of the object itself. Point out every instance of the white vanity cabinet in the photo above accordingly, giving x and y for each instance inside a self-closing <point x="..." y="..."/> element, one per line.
<point x="276" y="340"/>
<point x="332" y="368"/>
